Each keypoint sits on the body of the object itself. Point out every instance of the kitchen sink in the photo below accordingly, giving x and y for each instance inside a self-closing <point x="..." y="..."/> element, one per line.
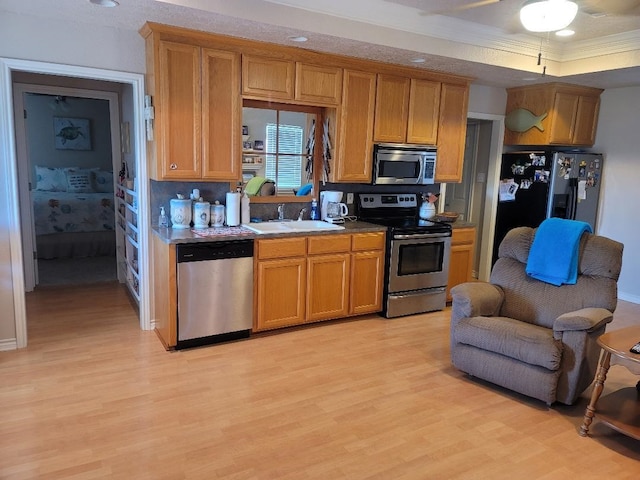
<point x="292" y="226"/>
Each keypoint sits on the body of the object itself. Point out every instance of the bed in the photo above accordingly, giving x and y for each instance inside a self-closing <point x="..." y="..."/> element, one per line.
<point x="78" y="222"/>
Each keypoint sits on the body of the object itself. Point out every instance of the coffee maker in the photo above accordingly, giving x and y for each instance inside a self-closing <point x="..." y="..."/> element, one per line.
<point x="332" y="209"/>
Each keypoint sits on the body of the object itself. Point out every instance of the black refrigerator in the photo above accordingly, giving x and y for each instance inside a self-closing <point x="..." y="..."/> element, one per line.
<point x="539" y="184"/>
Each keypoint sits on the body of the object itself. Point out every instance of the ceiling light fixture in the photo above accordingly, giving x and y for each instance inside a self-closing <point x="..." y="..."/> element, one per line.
<point x="547" y="15"/>
<point x="299" y="39"/>
<point x="105" y="3"/>
<point x="418" y="60"/>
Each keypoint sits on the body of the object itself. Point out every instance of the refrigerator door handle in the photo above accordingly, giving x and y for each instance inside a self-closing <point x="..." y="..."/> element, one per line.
<point x="573" y="198"/>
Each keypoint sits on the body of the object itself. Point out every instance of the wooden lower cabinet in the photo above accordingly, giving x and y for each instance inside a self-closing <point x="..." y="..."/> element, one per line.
<point x="337" y="276"/>
<point x="281" y="292"/>
<point x="165" y="292"/>
<point x="462" y="257"/>
<point x="367" y="272"/>
<point x="328" y="286"/>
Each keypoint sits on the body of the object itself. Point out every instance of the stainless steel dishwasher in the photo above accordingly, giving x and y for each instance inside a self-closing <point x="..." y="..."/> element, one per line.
<point x="215" y="292"/>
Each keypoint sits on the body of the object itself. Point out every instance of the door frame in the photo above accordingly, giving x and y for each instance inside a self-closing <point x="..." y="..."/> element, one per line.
<point x="9" y="171"/>
<point x="493" y="185"/>
<point x="24" y="162"/>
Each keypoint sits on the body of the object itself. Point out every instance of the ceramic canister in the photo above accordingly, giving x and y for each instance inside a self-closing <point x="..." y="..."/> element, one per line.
<point x="180" y="212"/>
<point x="217" y="215"/>
<point x="201" y="214"/>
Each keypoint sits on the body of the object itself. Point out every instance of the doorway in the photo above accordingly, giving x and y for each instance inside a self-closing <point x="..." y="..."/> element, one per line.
<point x="474" y="196"/>
<point x="71" y="235"/>
<point x="14" y="276"/>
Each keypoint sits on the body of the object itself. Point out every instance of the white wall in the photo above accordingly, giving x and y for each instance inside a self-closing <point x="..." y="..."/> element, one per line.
<point x="618" y="138"/>
<point x="70" y="43"/>
<point x="41" y="134"/>
<point x="488" y="100"/>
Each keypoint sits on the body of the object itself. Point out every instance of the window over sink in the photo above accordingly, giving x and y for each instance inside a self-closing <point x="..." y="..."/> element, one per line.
<point x="281" y="148"/>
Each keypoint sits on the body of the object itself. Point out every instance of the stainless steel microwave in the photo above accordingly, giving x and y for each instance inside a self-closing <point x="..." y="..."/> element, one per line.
<point x="400" y="164"/>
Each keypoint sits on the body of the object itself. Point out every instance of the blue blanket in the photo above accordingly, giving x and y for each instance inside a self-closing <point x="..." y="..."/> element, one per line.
<point x="553" y="257"/>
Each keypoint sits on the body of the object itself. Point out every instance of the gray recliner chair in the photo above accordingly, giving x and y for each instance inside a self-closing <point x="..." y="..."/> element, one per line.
<point x="532" y="337"/>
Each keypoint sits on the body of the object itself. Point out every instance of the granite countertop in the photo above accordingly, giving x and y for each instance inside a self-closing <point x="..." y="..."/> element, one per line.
<point x="192" y="235"/>
<point x="459" y="224"/>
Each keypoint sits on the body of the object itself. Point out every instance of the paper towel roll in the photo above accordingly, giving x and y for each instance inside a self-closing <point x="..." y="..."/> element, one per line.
<point x="233" y="209"/>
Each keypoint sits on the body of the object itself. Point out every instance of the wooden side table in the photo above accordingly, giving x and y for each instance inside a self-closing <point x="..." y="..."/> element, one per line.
<point x="621" y="409"/>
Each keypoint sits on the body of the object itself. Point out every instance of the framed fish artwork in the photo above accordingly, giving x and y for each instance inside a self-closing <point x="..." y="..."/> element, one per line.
<point x="71" y="133"/>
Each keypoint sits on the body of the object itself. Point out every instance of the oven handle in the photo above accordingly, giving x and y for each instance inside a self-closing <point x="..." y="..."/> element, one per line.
<point x="419" y="236"/>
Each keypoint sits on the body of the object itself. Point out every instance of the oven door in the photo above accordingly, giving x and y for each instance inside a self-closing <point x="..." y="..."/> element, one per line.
<point x="418" y="261"/>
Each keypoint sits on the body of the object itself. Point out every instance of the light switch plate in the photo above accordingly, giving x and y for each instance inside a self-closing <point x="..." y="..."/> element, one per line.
<point x="349" y="198"/>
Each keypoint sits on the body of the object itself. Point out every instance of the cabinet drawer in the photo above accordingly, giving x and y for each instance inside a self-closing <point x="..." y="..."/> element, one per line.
<point x="282" y="248"/>
<point x="367" y="241"/>
<point x="463" y="235"/>
<point x="329" y="244"/>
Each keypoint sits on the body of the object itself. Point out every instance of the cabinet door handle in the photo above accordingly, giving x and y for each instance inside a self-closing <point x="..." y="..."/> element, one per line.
<point x="173" y="166"/>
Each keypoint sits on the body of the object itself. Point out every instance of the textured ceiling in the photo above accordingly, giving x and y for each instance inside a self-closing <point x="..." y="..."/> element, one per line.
<point x="486" y="42"/>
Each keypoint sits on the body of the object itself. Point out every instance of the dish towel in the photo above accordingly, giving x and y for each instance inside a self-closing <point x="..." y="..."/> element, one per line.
<point x="254" y="185"/>
<point x="553" y="257"/>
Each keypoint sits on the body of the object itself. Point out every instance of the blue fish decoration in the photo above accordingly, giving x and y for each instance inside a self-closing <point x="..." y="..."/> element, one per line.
<point x="520" y="120"/>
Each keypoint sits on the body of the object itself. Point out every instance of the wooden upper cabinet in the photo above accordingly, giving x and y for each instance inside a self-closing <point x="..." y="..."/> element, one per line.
<point x="406" y="110"/>
<point x="268" y="78"/>
<point x="221" y="115"/>
<point x="178" y="111"/>
<point x="552" y="114"/>
<point x="452" y="128"/>
<point x="198" y="111"/>
<point x="563" y="120"/>
<point x="586" y="120"/>
<point x="318" y="84"/>
<point x="353" y="157"/>
<point x="424" y="107"/>
<point x="392" y="109"/>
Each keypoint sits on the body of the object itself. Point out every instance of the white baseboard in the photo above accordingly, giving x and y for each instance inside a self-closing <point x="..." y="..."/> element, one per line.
<point x="628" y="298"/>
<point x="8" y="344"/>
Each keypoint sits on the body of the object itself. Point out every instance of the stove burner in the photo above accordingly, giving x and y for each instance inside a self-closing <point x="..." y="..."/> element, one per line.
<point x="398" y="212"/>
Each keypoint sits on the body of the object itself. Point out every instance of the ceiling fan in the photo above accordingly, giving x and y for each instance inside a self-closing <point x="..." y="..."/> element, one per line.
<point x="598" y="8"/>
<point x="461" y="8"/>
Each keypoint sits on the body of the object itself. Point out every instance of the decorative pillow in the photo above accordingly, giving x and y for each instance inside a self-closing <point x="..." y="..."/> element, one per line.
<point x="51" y="179"/>
<point x="79" y="181"/>
<point x="103" y="181"/>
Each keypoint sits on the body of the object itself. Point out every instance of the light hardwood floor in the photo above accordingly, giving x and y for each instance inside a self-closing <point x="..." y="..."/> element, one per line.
<point x="95" y="397"/>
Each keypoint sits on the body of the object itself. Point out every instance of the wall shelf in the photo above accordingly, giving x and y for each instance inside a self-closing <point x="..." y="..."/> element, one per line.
<point x="127" y="247"/>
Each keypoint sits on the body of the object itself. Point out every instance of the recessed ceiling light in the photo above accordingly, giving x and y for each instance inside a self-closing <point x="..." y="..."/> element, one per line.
<point x="565" y="33"/>
<point x="418" y="60"/>
<point x="105" y="3"/>
<point x="299" y="39"/>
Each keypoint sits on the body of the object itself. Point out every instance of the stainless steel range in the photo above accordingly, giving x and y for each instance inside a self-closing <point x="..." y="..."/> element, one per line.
<point x="417" y="253"/>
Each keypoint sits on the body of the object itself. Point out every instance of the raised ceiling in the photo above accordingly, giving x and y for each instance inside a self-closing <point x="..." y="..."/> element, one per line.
<point x="485" y="42"/>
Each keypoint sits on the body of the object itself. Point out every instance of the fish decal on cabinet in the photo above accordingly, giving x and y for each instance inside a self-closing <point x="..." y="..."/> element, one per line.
<point x="520" y="120"/>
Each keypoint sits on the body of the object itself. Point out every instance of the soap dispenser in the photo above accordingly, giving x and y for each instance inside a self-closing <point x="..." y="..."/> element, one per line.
<point x="314" y="215"/>
<point x="163" y="220"/>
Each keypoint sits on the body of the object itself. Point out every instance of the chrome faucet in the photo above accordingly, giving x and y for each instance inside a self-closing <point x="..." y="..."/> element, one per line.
<point x="301" y="214"/>
<point x="281" y="211"/>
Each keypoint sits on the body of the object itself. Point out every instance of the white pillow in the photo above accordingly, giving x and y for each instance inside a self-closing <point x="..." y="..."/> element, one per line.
<point x="79" y="181"/>
<point x="103" y="181"/>
<point x="51" y="179"/>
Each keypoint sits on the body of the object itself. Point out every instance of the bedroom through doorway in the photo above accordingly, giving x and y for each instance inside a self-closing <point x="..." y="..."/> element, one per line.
<point x="69" y="138"/>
